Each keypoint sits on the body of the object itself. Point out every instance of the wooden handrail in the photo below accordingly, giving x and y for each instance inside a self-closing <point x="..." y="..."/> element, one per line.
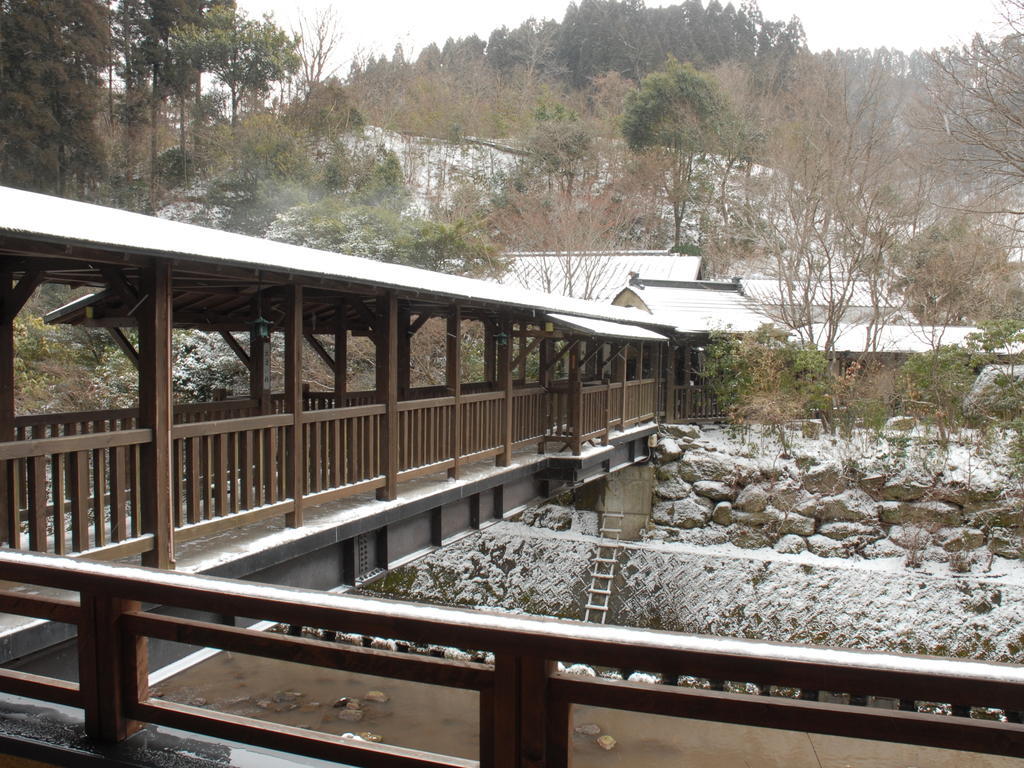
<point x="520" y="641"/>
<point x="23" y="449"/>
<point x="227" y="426"/>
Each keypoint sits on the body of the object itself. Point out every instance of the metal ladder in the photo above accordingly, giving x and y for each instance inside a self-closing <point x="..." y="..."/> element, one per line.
<point x="602" y="574"/>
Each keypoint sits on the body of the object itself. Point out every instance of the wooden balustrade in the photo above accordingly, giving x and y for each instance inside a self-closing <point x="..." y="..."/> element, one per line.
<point x="695" y="402"/>
<point x="82" y="485"/>
<point x="78" y="472"/>
<point x="525" y="704"/>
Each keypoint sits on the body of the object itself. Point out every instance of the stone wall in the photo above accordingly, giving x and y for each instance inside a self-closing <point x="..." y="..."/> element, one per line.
<point x="825" y="499"/>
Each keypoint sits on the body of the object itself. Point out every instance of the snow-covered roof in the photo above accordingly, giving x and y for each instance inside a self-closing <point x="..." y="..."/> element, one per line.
<point x="53" y="219"/>
<point x="598" y="275"/>
<point x="606" y="328"/>
<point x="895" y="338"/>
<point x="770" y="292"/>
<point x="700" y="309"/>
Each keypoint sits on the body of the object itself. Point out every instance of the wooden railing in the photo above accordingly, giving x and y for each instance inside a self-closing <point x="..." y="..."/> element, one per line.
<point x="525" y="704"/>
<point x="83" y="485"/>
<point x="697" y="402"/>
<point x="73" y="479"/>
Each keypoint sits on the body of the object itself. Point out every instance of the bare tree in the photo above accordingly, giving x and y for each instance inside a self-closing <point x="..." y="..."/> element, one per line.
<point x="318" y="35"/>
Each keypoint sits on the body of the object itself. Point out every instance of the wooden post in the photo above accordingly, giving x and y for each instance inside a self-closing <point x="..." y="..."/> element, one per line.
<point x="517" y="715"/>
<point x="489" y="352"/>
<point x="294" y="453"/>
<point x="112" y="669"/>
<point x="340" y="354"/>
<point x="624" y="378"/>
<point x="9" y="517"/>
<point x="453" y="363"/>
<point x="688" y="383"/>
<point x="575" y="399"/>
<point x="404" y="355"/>
<point x="505" y="384"/>
<point x="155" y="413"/>
<point x="387" y="390"/>
<point x="259" y="367"/>
<point x="671" y="412"/>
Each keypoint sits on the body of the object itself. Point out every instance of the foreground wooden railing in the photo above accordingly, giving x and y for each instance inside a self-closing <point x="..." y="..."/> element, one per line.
<point x="525" y="705"/>
<point x="696" y="402"/>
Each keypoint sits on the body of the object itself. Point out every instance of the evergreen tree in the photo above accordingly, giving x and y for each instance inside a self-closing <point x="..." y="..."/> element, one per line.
<point x="53" y="54"/>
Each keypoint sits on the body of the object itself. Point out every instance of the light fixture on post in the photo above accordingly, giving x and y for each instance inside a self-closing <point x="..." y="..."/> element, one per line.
<point x="501" y="339"/>
<point x="260" y="326"/>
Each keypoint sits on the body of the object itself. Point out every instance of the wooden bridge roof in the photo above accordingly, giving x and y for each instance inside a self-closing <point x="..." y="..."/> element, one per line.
<point x="217" y="273"/>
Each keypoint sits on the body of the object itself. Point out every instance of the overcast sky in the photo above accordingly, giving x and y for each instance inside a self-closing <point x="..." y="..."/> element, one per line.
<point x="377" y="25"/>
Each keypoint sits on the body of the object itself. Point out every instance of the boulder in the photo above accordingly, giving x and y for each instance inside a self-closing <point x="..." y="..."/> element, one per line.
<point x="881" y="549"/>
<point x="699" y="465"/>
<point x="668" y="450"/>
<point x="824" y="478"/>
<point x="691" y="512"/>
<point x="890" y="512"/>
<point x="722" y="513"/>
<point x="939" y="513"/>
<point x="766" y="516"/>
<point x="748" y="538"/>
<point x="808" y="507"/>
<point x="853" y="505"/>
<point x="1001" y="516"/>
<point x="823" y="546"/>
<point x="904" y="490"/>
<point x="715" y="491"/>
<point x="552" y="516"/>
<point x="1005" y="543"/>
<point x="690" y="431"/>
<point x="961" y="539"/>
<point x="673" y="489"/>
<point x="752" y="499"/>
<point x="796" y="524"/>
<point x="791" y="545"/>
<point x="666" y="472"/>
<point x="845" y="530"/>
<point x="787" y="496"/>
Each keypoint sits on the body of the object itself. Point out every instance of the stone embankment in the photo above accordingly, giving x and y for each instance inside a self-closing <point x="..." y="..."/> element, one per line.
<point x="881" y="496"/>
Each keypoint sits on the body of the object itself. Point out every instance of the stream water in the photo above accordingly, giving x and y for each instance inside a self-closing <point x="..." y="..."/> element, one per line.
<point x="445" y="721"/>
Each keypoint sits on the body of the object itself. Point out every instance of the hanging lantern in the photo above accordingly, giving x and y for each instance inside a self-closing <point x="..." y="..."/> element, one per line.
<point x="261" y="327"/>
<point x="501" y="339"/>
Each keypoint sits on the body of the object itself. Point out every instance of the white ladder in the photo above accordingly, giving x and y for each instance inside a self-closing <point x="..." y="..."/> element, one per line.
<point x="602" y="574"/>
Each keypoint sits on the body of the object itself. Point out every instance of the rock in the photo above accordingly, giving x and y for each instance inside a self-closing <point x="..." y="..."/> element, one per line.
<point x="882" y="548"/>
<point x="852" y="505"/>
<point x="791" y="545"/>
<point x="961" y="539"/>
<point x="872" y="484"/>
<point x="351" y="715"/>
<point x="845" y="530"/>
<point x="823" y="546"/>
<point x="373" y="738"/>
<point x="722" y="513"/>
<point x="890" y="512"/>
<point x="666" y="472"/>
<point x="715" y="491"/>
<point x="808" y="507"/>
<point x="998" y="516"/>
<point x="691" y="431"/>
<point x="797" y="524"/>
<point x="939" y="513"/>
<point x="668" y="450"/>
<point x="1003" y="542"/>
<point x="606" y="742"/>
<point x="904" y="491"/>
<point x="752" y="499"/>
<point x="824" y="478"/>
<point x="691" y="512"/>
<point x="788" y="496"/>
<point x="748" y="538"/>
<point x="553" y="516"/>
<point x="911" y="537"/>
<point x="377" y="696"/>
<point x="699" y="465"/>
<point x="588" y="729"/>
<point x="756" y="519"/>
<point x="673" y="489"/>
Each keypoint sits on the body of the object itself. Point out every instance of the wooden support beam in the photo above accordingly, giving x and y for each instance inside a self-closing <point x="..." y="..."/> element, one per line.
<point x="119" y="284"/>
<point x="340" y="353"/>
<point x="321" y="352"/>
<point x="505" y="384"/>
<point x="16" y="296"/>
<point x="418" y="323"/>
<point x="364" y="312"/>
<point x="259" y="363"/>
<point x="237" y="348"/>
<point x="387" y="390"/>
<point x="10" y="525"/>
<point x="453" y="378"/>
<point x="294" y="454"/>
<point x="525" y="353"/>
<point x="490" y="374"/>
<point x="125" y="345"/>
<point x="570" y="344"/>
<point x="155" y="413"/>
<point x="671" y="412"/>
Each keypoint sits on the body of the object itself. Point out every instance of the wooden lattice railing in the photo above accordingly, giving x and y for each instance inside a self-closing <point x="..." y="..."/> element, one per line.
<point x="525" y="704"/>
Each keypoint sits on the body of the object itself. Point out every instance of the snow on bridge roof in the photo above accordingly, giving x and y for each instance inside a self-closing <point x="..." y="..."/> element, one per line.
<point x="53" y="219"/>
<point x="606" y="328"/>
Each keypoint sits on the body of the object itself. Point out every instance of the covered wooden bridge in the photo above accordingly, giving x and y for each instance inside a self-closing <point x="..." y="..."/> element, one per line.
<point x="555" y="374"/>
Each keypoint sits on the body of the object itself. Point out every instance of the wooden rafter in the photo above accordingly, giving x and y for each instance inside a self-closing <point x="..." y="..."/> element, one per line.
<point x="237" y="348"/>
<point x="319" y="348"/>
<point x="125" y="345"/>
<point x="16" y="297"/>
